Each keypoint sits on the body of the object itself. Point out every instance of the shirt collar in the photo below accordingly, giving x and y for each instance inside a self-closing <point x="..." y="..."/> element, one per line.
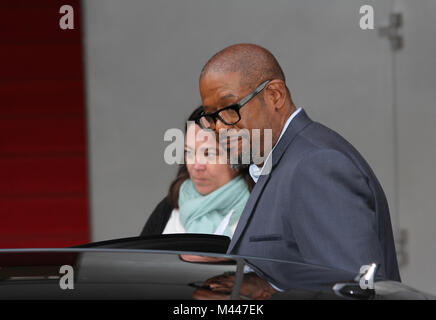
<point x="254" y="170"/>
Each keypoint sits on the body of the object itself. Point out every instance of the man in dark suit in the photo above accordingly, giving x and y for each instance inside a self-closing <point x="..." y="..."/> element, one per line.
<point x="320" y="203"/>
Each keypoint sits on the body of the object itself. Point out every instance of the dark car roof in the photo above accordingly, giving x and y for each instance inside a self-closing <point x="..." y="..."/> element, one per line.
<point x="105" y="272"/>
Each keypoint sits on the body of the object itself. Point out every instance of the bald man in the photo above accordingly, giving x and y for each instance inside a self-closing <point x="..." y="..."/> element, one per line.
<point x="320" y="203"/>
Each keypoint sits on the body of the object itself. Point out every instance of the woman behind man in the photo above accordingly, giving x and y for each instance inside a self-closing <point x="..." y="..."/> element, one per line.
<point x="204" y="197"/>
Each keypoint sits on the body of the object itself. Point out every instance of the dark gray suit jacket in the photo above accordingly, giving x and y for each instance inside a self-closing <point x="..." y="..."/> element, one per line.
<point x="321" y="204"/>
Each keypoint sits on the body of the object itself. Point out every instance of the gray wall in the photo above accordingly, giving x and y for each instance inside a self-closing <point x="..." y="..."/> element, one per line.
<point x="143" y="59"/>
<point x="416" y="96"/>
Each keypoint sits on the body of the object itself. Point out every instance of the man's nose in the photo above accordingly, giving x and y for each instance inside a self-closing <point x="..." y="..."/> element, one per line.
<point x="220" y="125"/>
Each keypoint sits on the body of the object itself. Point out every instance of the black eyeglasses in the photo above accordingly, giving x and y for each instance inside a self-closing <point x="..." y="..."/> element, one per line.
<point x="228" y="115"/>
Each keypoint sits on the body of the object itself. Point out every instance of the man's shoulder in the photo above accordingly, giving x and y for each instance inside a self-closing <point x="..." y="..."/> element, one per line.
<point x="317" y="137"/>
<point x="316" y="142"/>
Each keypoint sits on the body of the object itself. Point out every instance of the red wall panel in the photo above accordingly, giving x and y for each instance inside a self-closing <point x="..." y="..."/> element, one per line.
<point x="36" y="135"/>
<point x="24" y="214"/>
<point x="51" y="175"/>
<point x="51" y="97"/>
<point x="35" y="21"/>
<point x="43" y="164"/>
<point x="55" y="61"/>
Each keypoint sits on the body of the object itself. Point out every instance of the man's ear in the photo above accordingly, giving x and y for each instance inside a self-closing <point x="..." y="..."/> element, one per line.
<point x="276" y="93"/>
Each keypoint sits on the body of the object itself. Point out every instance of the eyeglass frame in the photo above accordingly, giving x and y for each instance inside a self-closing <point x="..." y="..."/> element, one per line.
<point x="235" y="106"/>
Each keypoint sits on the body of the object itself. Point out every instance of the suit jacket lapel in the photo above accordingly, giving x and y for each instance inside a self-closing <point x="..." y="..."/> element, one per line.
<point x="246" y="213"/>
<point x="297" y="124"/>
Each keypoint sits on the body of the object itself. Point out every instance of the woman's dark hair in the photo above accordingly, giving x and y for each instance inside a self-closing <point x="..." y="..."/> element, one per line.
<point x="183" y="174"/>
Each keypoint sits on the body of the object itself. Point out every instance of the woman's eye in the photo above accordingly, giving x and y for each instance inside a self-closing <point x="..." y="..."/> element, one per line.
<point x="210" y="154"/>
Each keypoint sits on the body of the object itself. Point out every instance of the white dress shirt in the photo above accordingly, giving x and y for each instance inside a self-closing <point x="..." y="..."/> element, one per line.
<point x="254" y="170"/>
<point x="255" y="173"/>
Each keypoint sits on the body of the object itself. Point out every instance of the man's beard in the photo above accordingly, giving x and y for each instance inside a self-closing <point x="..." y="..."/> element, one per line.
<point x="240" y="165"/>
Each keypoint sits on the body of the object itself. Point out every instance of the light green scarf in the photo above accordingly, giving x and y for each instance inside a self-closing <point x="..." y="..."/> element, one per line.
<point x="204" y="213"/>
